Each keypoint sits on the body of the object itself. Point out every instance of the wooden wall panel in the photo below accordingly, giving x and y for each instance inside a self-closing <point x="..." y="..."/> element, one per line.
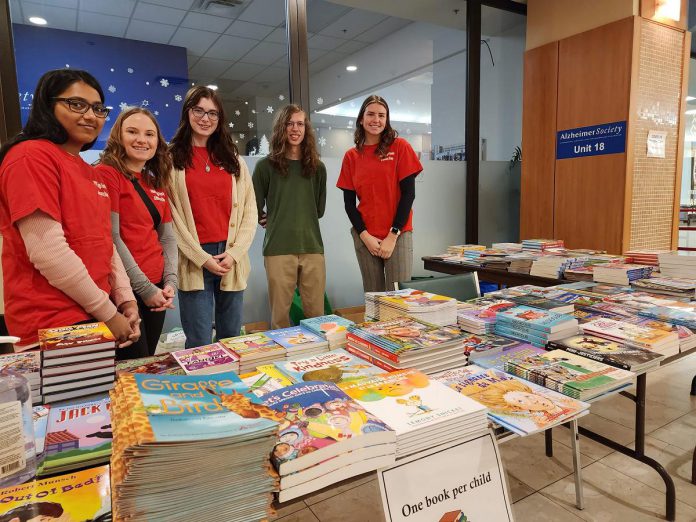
<point x="594" y="74"/>
<point x="538" y="141"/>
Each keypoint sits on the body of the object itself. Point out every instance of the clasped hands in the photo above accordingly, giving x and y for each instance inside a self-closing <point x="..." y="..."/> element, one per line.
<point x="379" y="248"/>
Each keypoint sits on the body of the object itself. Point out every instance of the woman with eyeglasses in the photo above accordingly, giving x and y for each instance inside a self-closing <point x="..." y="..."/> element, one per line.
<point x="136" y="166"/>
<point x="380" y="171"/>
<point x="59" y="263"/>
<point x="214" y="215"/>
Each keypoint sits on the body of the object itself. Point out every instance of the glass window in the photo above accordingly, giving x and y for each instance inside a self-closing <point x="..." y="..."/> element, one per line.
<point x="687" y="214"/>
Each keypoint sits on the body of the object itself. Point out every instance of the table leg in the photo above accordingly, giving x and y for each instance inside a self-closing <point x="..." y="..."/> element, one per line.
<point x="693" y="468"/>
<point x="577" y="465"/>
<point x="548" y="439"/>
<point x="693" y="386"/>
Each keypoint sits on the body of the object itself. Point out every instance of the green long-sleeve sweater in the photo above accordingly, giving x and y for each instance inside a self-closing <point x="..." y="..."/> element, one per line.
<point x="293" y="205"/>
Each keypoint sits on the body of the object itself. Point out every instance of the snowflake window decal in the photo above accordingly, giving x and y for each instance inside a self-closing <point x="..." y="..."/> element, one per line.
<point x="281" y="97"/>
<point x="320" y="101"/>
<point x="241" y="135"/>
<point x="111" y="89"/>
<point x="230" y="125"/>
<point x="123" y="106"/>
<point x="177" y="97"/>
<point x="322" y="141"/>
<point x="251" y="125"/>
<point x="269" y="109"/>
<point x="130" y="70"/>
<point x="237" y="113"/>
<point x="164" y="82"/>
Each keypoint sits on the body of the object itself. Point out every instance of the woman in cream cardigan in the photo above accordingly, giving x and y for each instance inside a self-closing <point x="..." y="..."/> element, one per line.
<point x="214" y="215"/>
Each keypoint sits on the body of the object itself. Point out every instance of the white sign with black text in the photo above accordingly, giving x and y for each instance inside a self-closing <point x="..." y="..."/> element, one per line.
<point x="459" y="482"/>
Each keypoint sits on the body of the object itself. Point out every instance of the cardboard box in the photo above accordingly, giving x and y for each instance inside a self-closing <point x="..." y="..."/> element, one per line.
<point x="259" y="326"/>
<point x="352" y="313"/>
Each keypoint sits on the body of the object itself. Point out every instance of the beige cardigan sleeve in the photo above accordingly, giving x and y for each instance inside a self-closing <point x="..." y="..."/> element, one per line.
<point x="182" y="217"/>
<point x="249" y="219"/>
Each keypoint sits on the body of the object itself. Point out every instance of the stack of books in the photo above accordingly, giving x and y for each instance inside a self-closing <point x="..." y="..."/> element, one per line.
<point x="635" y="301"/>
<point x="163" y="364"/>
<point x="28" y="365"/>
<point x="554" y="266"/>
<point x="520" y="406"/>
<point x="208" y="359"/>
<point x="654" y="339"/>
<point x="408" y="343"/>
<point x="460" y="249"/>
<point x="678" y="265"/>
<point x="540" y="245"/>
<point x="534" y="325"/>
<point x="334" y="366"/>
<point x="687" y="338"/>
<point x="609" y="352"/>
<point x="210" y="442"/>
<point x="646" y="257"/>
<point x="265" y="379"/>
<point x="675" y="315"/>
<point x="331" y="327"/>
<point x="345" y="438"/>
<point x="544" y="303"/>
<point x="579" y="273"/>
<point x="521" y="263"/>
<point x="254" y="350"/>
<point x="479" y="318"/>
<point x="423" y="412"/>
<point x="678" y="287"/>
<point x="570" y="374"/>
<point x="432" y="308"/>
<point x="298" y="341"/>
<point x="498" y="359"/>
<point x="477" y="346"/>
<point x="78" y="434"/>
<point x="76" y="361"/>
<point x="620" y="273"/>
<point x="508" y="247"/>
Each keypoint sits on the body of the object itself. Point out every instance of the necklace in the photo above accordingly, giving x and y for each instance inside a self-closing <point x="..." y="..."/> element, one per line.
<point x="207" y="167"/>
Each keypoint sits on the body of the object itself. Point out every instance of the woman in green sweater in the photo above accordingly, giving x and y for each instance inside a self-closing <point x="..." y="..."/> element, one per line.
<point x="290" y="187"/>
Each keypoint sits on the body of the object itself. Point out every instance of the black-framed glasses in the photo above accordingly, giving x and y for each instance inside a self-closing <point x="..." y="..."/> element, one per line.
<point x="82" y="106"/>
<point x="198" y="113"/>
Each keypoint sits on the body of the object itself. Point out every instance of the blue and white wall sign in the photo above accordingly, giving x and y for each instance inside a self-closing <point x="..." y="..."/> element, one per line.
<point x="595" y="140"/>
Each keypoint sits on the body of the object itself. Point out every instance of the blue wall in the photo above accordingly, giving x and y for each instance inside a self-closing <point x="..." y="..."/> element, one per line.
<point x="131" y="72"/>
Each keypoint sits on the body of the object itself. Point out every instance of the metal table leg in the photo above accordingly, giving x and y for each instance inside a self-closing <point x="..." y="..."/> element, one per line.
<point x="693" y="386"/>
<point x="548" y="439"/>
<point x="577" y="465"/>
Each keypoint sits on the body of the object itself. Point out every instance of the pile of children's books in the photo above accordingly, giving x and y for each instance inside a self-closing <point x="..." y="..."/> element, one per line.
<point x="553" y="267"/>
<point x="76" y="361"/>
<point x="674" y="286"/>
<point x="654" y="339"/>
<point x="163" y="364"/>
<point x="620" y="273"/>
<point x="325" y="437"/>
<point x="422" y="411"/>
<point x="677" y="265"/>
<point x="541" y="245"/>
<point x="208" y="359"/>
<point x="298" y="341"/>
<point x="460" y="249"/>
<point x="646" y="257"/>
<point x="609" y="352"/>
<point x="331" y="327"/>
<point x="579" y="273"/>
<point x="521" y="263"/>
<point x="28" y="365"/>
<point x="334" y="366"/>
<point x="254" y="350"/>
<point x="431" y="308"/>
<point x="479" y="316"/>
<point x="520" y="406"/>
<point x="178" y="438"/>
<point x="407" y="343"/>
<point x="534" y="325"/>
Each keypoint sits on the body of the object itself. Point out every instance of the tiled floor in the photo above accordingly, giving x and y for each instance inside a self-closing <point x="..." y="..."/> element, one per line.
<point x="616" y="488"/>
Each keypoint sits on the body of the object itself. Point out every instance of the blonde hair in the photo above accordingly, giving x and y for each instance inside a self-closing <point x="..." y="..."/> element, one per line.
<point x="494" y="395"/>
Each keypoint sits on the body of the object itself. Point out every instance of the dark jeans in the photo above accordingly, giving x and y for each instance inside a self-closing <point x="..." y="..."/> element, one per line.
<point x="197" y="307"/>
<point x="150" y="330"/>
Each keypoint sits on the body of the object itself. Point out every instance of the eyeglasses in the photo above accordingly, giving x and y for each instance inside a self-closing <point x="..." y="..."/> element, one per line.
<point x="82" y="106"/>
<point x="198" y="113"/>
<point x="298" y="124"/>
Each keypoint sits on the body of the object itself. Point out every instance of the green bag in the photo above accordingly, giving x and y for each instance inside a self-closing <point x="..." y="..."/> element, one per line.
<point x="296" y="311"/>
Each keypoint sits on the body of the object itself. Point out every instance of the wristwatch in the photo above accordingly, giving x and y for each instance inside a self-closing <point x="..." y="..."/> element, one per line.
<point x="395" y="231"/>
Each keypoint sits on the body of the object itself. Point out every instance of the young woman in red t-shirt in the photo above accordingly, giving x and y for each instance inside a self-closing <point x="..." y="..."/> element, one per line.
<point x="215" y="219"/>
<point x="59" y="262"/>
<point x="136" y="168"/>
<point x="381" y="172"/>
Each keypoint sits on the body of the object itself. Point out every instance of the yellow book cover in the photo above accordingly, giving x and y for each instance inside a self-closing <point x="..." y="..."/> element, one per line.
<point x="83" y="496"/>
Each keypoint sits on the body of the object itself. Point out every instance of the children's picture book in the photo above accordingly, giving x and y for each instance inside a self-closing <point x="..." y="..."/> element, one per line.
<point x="518" y="405"/>
<point x="498" y="359"/>
<point x="82" y="496"/>
<point x="252" y="346"/>
<point x="334" y="366"/>
<point x="81" y="338"/>
<point x="27" y="364"/>
<point x="542" y="302"/>
<point x="40" y="420"/>
<point x="414" y="300"/>
<point x="539" y="319"/>
<point x="211" y="358"/>
<point x="78" y="434"/>
<point x="633" y="334"/>
<point x="164" y="364"/>
<point x="405" y="334"/>
<point x="607" y="351"/>
<point x="480" y="345"/>
<point x="295" y="337"/>
<point x="327" y="325"/>
<point x="319" y="422"/>
<point x="265" y="379"/>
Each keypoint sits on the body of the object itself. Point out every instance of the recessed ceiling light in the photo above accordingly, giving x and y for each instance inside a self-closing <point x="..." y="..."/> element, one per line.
<point x="211" y="86"/>
<point x="351" y="68"/>
<point x="37" y="20"/>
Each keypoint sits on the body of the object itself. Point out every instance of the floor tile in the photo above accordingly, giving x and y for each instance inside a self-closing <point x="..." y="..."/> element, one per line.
<point x="676" y="461"/>
<point x="286" y="508"/>
<point x="622" y="410"/>
<point x="538" y="508"/>
<point x="360" y="504"/>
<point x="600" y="425"/>
<point x="681" y="432"/>
<point x="613" y="496"/>
<point x="518" y="489"/>
<point x="339" y="488"/>
<point x="305" y="515"/>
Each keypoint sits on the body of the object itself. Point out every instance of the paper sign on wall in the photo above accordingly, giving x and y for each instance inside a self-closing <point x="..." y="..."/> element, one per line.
<point x="456" y="482"/>
<point x="656" y="144"/>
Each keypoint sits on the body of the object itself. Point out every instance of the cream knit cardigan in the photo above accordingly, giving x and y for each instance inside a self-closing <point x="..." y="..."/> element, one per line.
<point x="241" y="230"/>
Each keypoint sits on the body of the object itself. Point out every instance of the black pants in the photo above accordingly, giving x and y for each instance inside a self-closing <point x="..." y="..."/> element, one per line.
<point x="151" y="325"/>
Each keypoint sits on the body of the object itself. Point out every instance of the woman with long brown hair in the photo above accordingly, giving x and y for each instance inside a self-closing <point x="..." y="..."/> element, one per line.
<point x="290" y="187"/>
<point x="136" y="167"/>
<point x="214" y="213"/>
<point x="381" y="172"/>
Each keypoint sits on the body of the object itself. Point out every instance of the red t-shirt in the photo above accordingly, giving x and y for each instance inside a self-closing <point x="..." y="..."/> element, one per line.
<point x="39" y="175"/>
<point x="376" y="182"/>
<point x="210" y="194"/>
<point x="137" y="228"/>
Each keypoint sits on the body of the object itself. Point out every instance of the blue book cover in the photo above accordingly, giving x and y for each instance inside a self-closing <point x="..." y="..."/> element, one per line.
<point x="295" y="337"/>
<point x="540" y="319"/>
<point x="528" y="337"/>
<point x="327" y="325"/>
<point x="670" y="315"/>
<point x="498" y="360"/>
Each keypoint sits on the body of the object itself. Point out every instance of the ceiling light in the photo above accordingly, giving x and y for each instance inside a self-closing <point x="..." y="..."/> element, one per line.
<point x="351" y="68"/>
<point x="212" y="86"/>
<point x="37" y="20"/>
<point x="690" y="98"/>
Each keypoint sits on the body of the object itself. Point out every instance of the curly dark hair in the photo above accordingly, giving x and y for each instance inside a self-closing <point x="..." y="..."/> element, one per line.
<point x="387" y="136"/>
<point x="221" y="147"/>
<point x="279" y="143"/>
<point x="42" y="123"/>
<point x="32" y="510"/>
<point x="114" y="155"/>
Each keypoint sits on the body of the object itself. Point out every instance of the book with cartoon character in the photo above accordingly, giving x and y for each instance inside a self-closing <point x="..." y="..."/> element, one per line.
<point x="535" y="318"/>
<point x="609" y="352"/>
<point x="520" y="406"/>
<point x="297" y="339"/>
<point x="82" y="496"/>
<point x="329" y="326"/>
<point x="334" y="366"/>
<point x="76" y="339"/>
<point x="320" y="422"/>
<point x="78" y="434"/>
